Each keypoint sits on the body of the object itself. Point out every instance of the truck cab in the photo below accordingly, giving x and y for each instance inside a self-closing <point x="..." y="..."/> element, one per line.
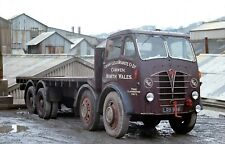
<point x="155" y="75"/>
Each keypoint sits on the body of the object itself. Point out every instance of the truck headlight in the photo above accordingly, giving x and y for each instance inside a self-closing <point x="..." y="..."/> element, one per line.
<point x="198" y="108"/>
<point x="195" y="95"/>
<point x="150" y="97"/>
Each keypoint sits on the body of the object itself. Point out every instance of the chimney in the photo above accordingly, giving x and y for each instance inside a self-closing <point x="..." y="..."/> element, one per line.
<point x="72" y="29"/>
<point x="79" y="30"/>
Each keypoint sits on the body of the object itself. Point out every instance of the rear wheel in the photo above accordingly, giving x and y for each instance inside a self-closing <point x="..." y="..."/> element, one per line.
<point x="88" y="115"/>
<point x="43" y="106"/>
<point x="29" y="99"/>
<point x="185" y="124"/>
<point x="115" y="120"/>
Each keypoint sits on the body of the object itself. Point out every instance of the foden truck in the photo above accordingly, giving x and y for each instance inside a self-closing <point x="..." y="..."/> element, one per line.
<point x="139" y="76"/>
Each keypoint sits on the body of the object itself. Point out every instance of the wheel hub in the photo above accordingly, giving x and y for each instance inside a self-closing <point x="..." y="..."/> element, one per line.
<point x="109" y="115"/>
<point x="86" y="110"/>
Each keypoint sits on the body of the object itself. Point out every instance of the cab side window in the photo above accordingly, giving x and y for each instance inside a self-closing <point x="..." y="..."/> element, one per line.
<point x="129" y="48"/>
<point x="113" y="48"/>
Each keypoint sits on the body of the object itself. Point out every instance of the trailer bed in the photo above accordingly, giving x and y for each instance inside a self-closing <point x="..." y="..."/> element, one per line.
<point x="56" y="81"/>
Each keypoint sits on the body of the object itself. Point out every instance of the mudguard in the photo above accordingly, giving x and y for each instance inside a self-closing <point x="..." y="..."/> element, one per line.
<point x="52" y="94"/>
<point x="40" y="84"/>
<point x="128" y="107"/>
<point x="77" y="95"/>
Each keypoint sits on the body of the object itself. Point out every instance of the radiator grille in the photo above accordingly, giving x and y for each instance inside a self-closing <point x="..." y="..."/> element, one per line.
<point x="172" y="87"/>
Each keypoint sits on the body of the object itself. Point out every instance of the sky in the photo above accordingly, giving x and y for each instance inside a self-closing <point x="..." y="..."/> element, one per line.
<point x="104" y="16"/>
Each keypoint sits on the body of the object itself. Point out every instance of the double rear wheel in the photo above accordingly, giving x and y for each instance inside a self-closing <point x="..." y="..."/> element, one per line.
<point x="45" y="109"/>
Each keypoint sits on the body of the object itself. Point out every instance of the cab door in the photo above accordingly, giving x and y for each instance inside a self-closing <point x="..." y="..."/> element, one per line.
<point x="113" y="53"/>
<point x="121" y="67"/>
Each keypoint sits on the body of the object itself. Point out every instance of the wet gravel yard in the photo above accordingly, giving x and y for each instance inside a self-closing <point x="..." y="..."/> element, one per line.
<point x="18" y="126"/>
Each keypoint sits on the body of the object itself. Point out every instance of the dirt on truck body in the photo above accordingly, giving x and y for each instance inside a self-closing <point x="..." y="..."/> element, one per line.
<point x="139" y="76"/>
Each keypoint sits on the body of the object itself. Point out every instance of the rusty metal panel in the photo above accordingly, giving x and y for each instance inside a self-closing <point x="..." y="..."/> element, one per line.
<point x="5" y="35"/>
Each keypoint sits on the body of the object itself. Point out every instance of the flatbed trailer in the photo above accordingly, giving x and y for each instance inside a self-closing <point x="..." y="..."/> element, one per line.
<point x="139" y="76"/>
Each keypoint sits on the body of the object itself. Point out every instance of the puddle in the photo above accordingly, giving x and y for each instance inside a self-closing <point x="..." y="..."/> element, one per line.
<point x="12" y="128"/>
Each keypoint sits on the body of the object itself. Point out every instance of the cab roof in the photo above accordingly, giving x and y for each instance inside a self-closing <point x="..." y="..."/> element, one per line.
<point x="163" y="33"/>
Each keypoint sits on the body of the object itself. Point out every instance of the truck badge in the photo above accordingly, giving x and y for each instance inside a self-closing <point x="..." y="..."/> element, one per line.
<point x="148" y="82"/>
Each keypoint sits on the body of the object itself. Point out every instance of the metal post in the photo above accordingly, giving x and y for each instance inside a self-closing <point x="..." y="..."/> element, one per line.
<point x="206" y="45"/>
<point x="1" y="58"/>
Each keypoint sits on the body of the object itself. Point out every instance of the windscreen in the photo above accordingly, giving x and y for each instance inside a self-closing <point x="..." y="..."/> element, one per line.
<point x="180" y="48"/>
<point x="150" y="46"/>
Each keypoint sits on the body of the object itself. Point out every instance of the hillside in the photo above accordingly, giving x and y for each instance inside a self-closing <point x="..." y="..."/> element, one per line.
<point x="181" y="29"/>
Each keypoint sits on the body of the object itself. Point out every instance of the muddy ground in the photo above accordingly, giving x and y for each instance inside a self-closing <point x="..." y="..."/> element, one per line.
<point x="17" y="126"/>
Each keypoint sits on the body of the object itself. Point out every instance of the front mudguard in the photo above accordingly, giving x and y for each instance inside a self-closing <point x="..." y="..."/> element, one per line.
<point x="127" y="104"/>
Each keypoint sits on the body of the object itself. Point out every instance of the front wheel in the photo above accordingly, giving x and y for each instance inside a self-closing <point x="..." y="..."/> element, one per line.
<point x="116" y="121"/>
<point x="185" y="124"/>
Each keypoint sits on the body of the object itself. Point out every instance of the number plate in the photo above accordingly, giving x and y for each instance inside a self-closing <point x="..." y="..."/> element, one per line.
<point x="167" y="109"/>
<point x="171" y="109"/>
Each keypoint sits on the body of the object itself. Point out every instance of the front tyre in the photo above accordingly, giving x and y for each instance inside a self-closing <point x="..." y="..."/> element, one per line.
<point x="88" y="115"/>
<point x="185" y="124"/>
<point x="116" y="121"/>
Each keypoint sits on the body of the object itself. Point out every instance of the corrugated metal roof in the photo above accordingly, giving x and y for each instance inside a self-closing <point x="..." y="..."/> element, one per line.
<point x="40" y="38"/>
<point x="17" y="16"/>
<point x="210" y="26"/>
<point x="212" y="67"/>
<point x="29" y="65"/>
<point x="75" y="42"/>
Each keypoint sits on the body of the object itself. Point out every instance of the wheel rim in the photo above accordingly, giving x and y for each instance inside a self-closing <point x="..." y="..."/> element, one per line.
<point x="86" y="110"/>
<point x="112" y="115"/>
<point x="109" y="115"/>
<point x="41" y="101"/>
<point x="30" y="100"/>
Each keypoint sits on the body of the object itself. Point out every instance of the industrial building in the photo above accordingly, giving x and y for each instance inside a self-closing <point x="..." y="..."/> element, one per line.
<point x="5" y="35"/>
<point x="25" y="28"/>
<point x="81" y="47"/>
<point x="49" y="43"/>
<point x="211" y="35"/>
